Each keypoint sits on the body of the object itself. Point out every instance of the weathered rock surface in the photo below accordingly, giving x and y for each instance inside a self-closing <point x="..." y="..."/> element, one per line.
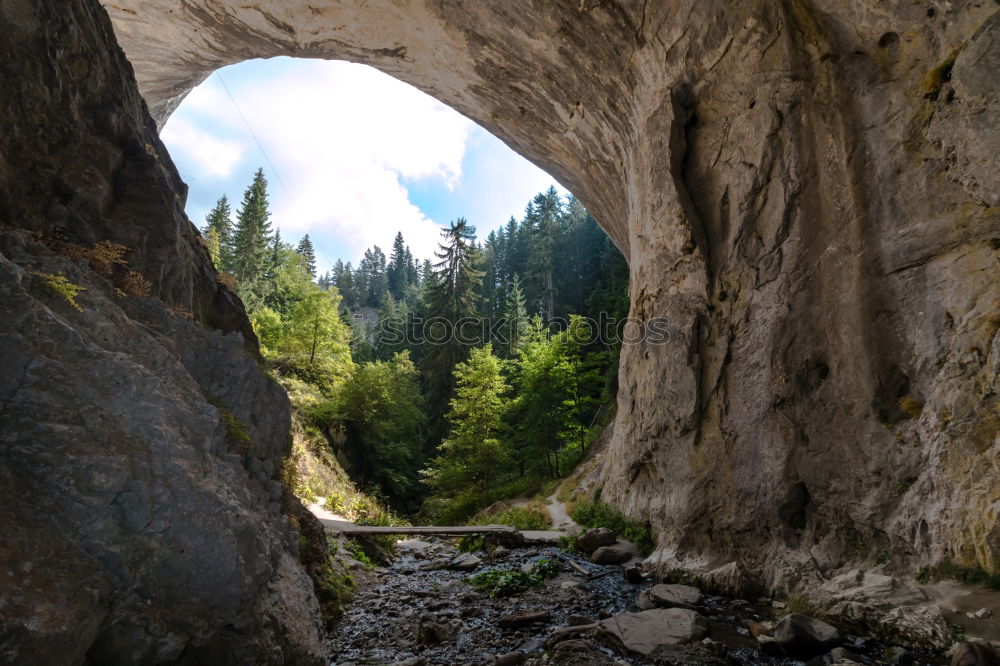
<point x="644" y="632"/>
<point x="807" y="192"/>
<point x="140" y="524"/>
<point x="675" y="596"/>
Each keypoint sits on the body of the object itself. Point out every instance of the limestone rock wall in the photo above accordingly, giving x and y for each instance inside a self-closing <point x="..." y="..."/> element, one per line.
<point x="140" y="526"/>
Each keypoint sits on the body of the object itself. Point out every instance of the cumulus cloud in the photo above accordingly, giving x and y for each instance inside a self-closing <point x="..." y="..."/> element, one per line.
<point x="346" y="143"/>
<point x="342" y="138"/>
<point x="213" y="156"/>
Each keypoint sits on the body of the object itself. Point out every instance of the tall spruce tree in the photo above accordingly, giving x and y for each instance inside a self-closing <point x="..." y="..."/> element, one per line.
<point x="546" y="215"/>
<point x="305" y="248"/>
<point x="451" y="304"/>
<point x="515" y="319"/>
<point x="218" y="233"/>
<point x="397" y="268"/>
<point x="252" y="238"/>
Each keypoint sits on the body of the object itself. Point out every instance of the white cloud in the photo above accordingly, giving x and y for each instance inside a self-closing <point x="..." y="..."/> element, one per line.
<point x="214" y="156"/>
<point x="345" y="140"/>
<point x="342" y="137"/>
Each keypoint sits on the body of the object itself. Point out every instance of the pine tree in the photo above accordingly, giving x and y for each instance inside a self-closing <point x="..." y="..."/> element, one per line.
<point x="547" y="211"/>
<point x="252" y="238"/>
<point x="397" y="277"/>
<point x="219" y="235"/>
<point x="305" y="248"/>
<point x="473" y="455"/>
<point x="450" y="303"/>
<point x="515" y="318"/>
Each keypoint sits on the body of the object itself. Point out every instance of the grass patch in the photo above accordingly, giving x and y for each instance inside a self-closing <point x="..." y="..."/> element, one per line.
<point x="333" y="590"/>
<point x="800" y="603"/>
<point x="534" y="516"/>
<point x="960" y="572"/>
<point x="507" y="582"/>
<point x="236" y="430"/>
<point x="599" y="514"/>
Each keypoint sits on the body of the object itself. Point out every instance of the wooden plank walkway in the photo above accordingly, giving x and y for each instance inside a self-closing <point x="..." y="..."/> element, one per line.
<point x="350" y="529"/>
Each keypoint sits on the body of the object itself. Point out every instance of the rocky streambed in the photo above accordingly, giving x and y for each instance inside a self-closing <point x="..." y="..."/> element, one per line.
<point x="542" y="605"/>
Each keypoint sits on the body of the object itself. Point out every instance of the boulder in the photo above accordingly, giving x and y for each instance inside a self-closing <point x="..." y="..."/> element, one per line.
<point x="465" y="562"/>
<point x="803" y="636"/>
<point x="617" y="553"/>
<point x="643" y="632"/>
<point x="594" y="538"/>
<point x="633" y="575"/>
<point x="731" y="580"/>
<point x="675" y="596"/>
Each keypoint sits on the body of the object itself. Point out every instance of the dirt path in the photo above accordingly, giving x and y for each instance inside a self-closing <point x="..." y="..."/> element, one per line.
<point x="557" y="510"/>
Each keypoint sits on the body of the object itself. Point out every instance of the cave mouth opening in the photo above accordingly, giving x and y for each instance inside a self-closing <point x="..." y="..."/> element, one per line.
<point x="368" y="177"/>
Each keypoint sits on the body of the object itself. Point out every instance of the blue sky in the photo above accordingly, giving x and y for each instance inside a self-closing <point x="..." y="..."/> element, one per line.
<point x="356" y="154"/>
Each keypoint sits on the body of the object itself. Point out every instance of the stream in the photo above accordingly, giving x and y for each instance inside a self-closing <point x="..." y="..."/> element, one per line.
<point x="419" y="611"/>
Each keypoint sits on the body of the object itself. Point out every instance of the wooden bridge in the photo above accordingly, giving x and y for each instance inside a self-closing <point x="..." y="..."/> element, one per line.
<point x="505" y="532"/>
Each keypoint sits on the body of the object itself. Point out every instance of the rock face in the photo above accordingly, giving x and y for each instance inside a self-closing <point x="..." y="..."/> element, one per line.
<point x="143" y="518"/>
<point x="807" y="195"/>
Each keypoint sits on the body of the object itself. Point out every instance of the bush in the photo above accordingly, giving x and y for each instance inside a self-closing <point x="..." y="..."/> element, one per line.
<point x="599" y="514"/>
<point x="507" y="582"/>
<point x="60" y="286"/>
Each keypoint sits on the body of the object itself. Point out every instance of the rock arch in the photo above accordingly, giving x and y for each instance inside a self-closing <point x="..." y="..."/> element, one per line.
<point x="775" y="174"/>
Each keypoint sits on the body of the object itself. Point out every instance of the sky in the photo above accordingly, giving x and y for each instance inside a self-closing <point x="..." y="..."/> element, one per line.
<point x="351" y="156"/>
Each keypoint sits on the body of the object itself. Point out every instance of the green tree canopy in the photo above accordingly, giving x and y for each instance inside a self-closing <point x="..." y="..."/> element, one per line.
<point x="473" y="454"/>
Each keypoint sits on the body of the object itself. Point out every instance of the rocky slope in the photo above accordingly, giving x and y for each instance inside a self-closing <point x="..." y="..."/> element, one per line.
<point x="143" y="517"/>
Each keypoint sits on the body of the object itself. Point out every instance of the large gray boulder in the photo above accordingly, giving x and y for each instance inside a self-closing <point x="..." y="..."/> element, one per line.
<point x="594" y="538"/>
<point x="675" y="596"/>
<point x="643" y="632"/>
<point x="803" y="636"/>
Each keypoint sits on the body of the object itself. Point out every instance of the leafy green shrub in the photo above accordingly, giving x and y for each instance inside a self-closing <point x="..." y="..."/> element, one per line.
<point x="507" y="582"/>
<point x="599" y="514"/>
<point x="60" y="286"/>
<point x="472" y="543"/>
<point x="356" y="551"/>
